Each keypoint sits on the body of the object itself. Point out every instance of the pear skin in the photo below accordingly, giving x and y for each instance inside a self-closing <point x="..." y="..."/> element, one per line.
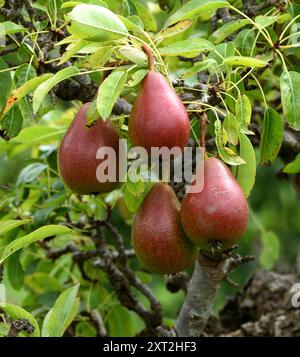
<point x="157" y="236"/>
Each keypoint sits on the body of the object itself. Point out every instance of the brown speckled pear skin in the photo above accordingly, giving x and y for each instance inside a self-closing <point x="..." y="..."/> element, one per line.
<point x="158" y="117"/>
<point x="157" y="236"/>
<point x="219" y="212"/>
<point x="77" y="154"/>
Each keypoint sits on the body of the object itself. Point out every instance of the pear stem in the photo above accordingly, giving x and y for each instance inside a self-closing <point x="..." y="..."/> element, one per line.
<point x="149" y="54"/>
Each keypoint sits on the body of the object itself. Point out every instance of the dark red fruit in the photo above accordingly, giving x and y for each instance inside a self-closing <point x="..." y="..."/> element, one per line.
<point x="157" y="236"/>
<point x="77" y="154"/>
<point x="219" y="212"/>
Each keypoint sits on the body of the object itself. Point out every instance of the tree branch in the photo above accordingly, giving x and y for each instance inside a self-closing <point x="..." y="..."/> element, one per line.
<point x="208" y="274"/>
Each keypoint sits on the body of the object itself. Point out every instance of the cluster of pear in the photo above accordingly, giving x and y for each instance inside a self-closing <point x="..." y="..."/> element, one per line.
<point x="166" y="235"/>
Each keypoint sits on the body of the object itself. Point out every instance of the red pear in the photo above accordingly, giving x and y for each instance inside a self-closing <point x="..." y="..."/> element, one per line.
<point x="77" y="154"/>
<point x="158" y="117"/>
<point x="219" y="212"/>
<point x="157" y="236"/>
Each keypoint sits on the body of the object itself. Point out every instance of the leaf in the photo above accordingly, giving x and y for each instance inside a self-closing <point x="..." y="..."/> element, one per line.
<point x="243" y="110"/>
<point x="6" y="226"/>
<point x="109" y="92"/>
<point x="41" y="233"/>
<point x="6" y="83"/>
<point x="134" y="55"/>
<point x="96" y="23"/>
<point x="41" y="283"/>
<point x="75" y="3"/>
<point x="221" y="51"/>
<point x="224" y="31"/>
<point x="175" y="29"/>
<point x="119" y="320"/>
<point x="195" y="8"/>
<point x="25" y="89"/>
<point x="43" y="89"/>
<point x="226" y="154"/>
<point x="245" y="62"/>
<point x="137" y="77"/>
<point x="200" y="67"/>
<point x="265" y="21"/>
<point x="71" y="50"/>
<point x="38" y="134"/>
<point x="270" y="250"/>
<point x="244" y="42"/>
<point x="231" y="127"/>
<point x="17" y="313"/>
<point x="293" y="167"/>
<point x="15" y="271"/>
<point x="99" y="58"/>
<point x="62" y="314"/>
<point x="145" y="15"/>
<point x="290" y="96"/>
<point x="246" y="173"/>
<point x="12" y="122"/>
<point x="188" y="48"/>
<point x="31" y="173"/>
<point x="271" y="136"/>
<point x="8" y="28"/>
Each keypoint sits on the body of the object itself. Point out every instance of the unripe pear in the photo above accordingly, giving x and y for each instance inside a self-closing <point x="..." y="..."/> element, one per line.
<point x="77" y="154"/>
<point x="158" y="117"/>
<point x="219" y="212"/>
<point x="157" y="236"/>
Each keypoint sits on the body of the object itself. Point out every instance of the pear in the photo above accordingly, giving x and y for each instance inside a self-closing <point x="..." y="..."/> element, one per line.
<point x="219" y="212"/>
<point x="77" y="154"/>
<point x="157" y="236"/>
<point x="158" y="117"/>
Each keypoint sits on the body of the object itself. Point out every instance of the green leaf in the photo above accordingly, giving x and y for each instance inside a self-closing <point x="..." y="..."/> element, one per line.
<point x="41" y="283"/>
<point x="271" y="136"/>
<point x="270" y="250"/>
<point x="6" y="226"/>
<point x="99" y="58"/>
<point x="243" y="111"/>
<point x="244" y="41"/>
<point x="195" y="8"/>
<point x="8" y="28"/>
<point x="12" y="122"/>
<point x="188" y="48"/>
<point x="293" y="167"/>
<point x="6" y="83"/>
<point x="226" y="154"/>
<point x="25" y="89"/>
<point x="31" y="173"/>
<point x="109" y="92"/>
<point x="96" y="23"/>
<point x="134" y="55"/>
<point x="15" y="271"/>
<point x="43" y="89"/>
<point x="175" y="29"/>
<point x="145" y="15"/>
<point x="137" y="77"/>
<point x="120" y="320"/>
<point x="226" y="30"/>
<point x="266" y="21"/>
<point x="221" y="51"/>
<point x="200" y="67"/>
<point x="71" y="50"/>
<point x="62" y="314"/>
<point x="16" y="313"/>
<point x="290" y="96"/>
<point x="246" y="173"/>
<point x="231" y="127"/>
<point x="245" y="62"/>
<point x="41" y="233"/>
<point x="38" y="134"/>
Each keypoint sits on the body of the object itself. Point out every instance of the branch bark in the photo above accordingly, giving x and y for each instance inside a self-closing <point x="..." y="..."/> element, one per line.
<point x="202" y="289"/>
